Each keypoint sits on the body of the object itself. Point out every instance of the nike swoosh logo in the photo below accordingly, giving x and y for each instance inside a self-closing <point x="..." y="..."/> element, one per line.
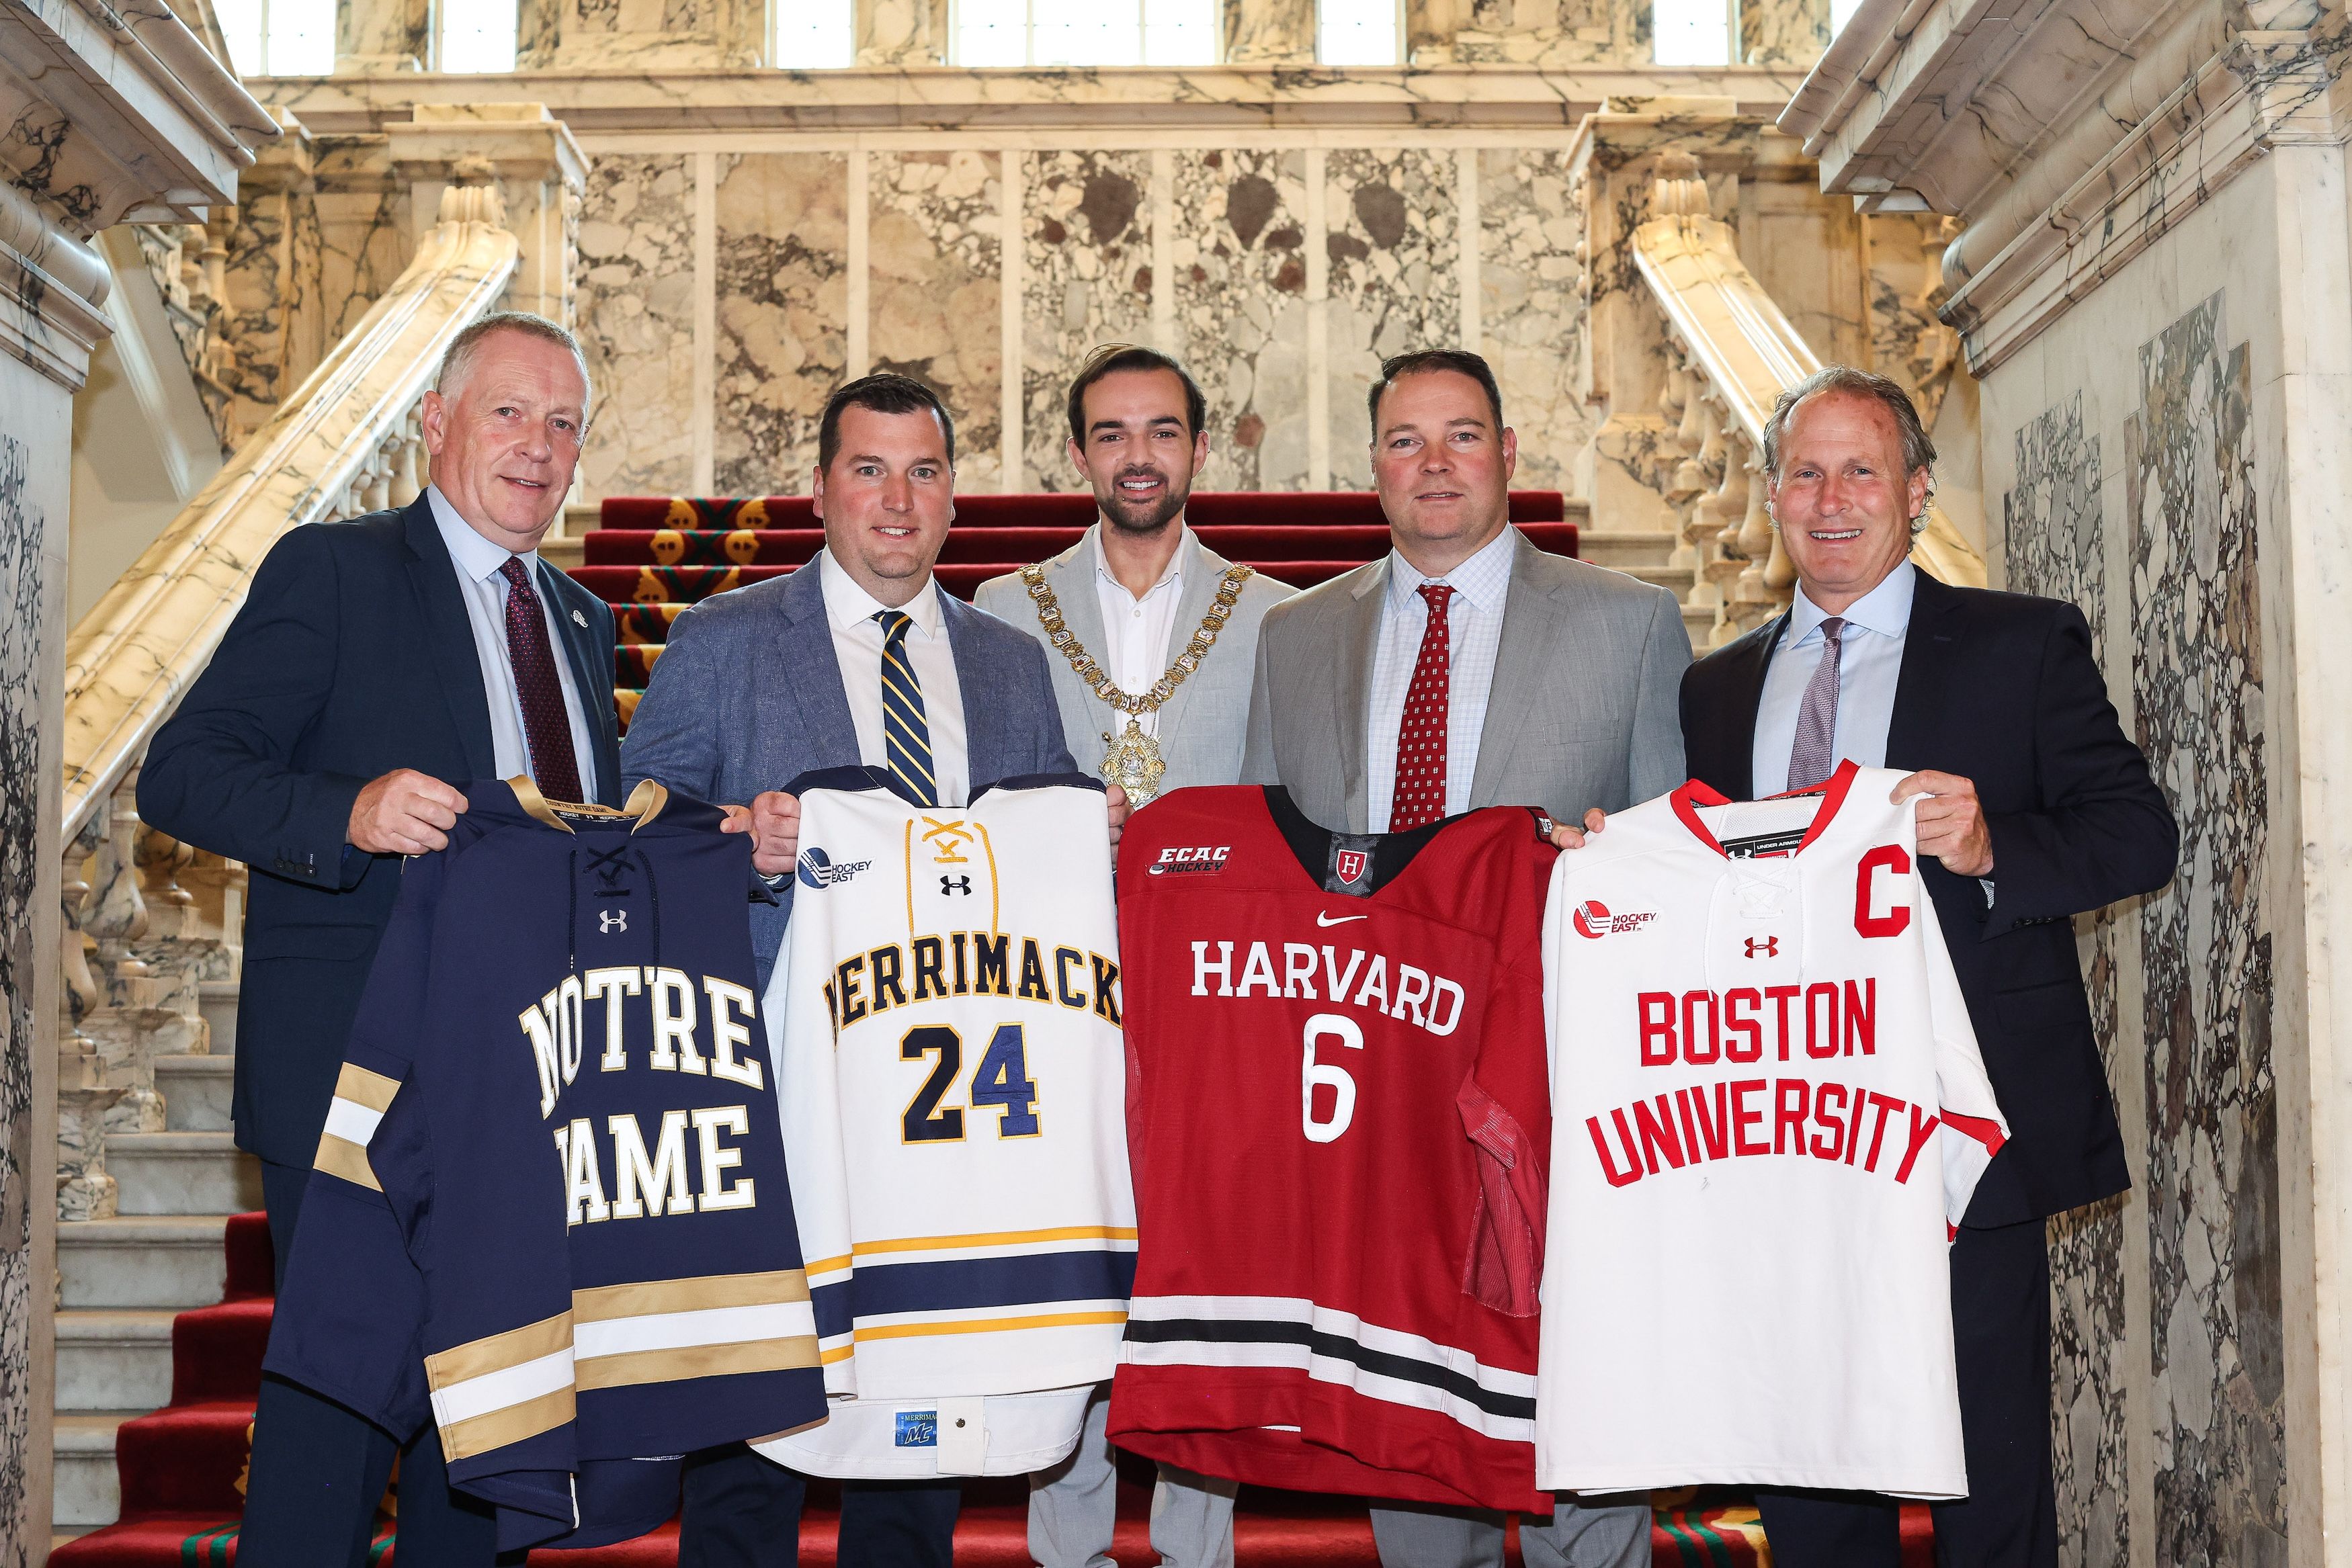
<point x="1322" y="919"/>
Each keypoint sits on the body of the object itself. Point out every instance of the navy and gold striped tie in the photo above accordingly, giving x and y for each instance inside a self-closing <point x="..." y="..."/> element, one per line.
<point x="906" y="735"/>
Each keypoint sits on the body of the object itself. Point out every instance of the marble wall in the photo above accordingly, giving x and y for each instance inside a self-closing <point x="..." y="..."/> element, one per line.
<point x="1238" y="260"/>
<point x="935" y="250"/>
<point x="1087" y="241"/>
<point x="635" y="316"/>
<point x="782" y="223"/>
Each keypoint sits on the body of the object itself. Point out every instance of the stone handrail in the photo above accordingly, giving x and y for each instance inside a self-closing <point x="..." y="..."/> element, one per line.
<point x="1731" y="351"/>
<point x="345" y="442"/>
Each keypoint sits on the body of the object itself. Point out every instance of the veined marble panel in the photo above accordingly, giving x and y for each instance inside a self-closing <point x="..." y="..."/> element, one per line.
<point x="635" y="320"/>
<point x="25" y="602"/>
<point x="783" y="310"/>
<point x="2052" y="518"/>
<point x="1531" y="307"/>
<point x="1783" y="32"/>
<point x="1240" y="289"/>
<point x="2213" y="1135"/>
<point x="1085" y="236"/>
<point x="935" y="266"/>
<point x="273" y="254"/>
<point x="1552" y="33"/>
<point x="1392" y="223"/>
<point x="362" y="246"/>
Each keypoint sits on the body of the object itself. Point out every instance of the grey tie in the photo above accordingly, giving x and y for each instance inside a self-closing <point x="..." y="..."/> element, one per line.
<point x="1810" y="758"/>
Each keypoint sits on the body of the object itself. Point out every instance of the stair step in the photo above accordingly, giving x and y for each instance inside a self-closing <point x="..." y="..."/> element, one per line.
<point x="114" y="1359"/>
<point x="172" y="1262"/>
<point x="1627" y="549"/>
<point x="87" y="1491"/>
<point x="182" y="1173"/>
<point x="196" y="1091"/>
<point x="217" y="1003"/>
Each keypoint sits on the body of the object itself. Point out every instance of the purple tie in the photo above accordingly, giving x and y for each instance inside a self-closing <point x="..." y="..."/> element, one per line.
<point x="545" y="725"/>
<point x="1811" y="758"/>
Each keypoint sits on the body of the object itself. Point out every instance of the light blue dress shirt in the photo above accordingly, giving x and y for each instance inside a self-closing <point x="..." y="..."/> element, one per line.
<point x="1875" y="627"/>
<point x="1474" y="639"/>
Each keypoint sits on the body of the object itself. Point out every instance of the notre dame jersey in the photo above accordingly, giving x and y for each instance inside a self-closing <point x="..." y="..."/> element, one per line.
<point x="944" y="1017"/>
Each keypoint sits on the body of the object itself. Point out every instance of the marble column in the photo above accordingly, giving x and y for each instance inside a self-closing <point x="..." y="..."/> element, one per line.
<point x="643" y="34"/>
<point x="1270" y="32"/>
<point x="540" y="174"/>
<point x="376" y="36"/>
<point x="899" y="33"/>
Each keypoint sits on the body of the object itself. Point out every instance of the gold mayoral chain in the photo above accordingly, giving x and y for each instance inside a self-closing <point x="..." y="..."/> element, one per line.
<point x="1132" y="760"/>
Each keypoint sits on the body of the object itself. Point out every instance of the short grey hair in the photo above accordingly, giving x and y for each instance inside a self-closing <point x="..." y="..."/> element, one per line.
<point x="457" y="363"/>
<point x="1918" y="452"/>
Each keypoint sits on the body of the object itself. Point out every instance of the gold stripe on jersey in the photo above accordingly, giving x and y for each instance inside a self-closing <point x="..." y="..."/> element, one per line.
<point x="362" y="1087"/>
<point x="341" y="1157"/>
<point x="646" y="1298"/>
<point x="987" y="1325"/>
<point x="697" y="1360"/>
<point x="497" y="1428"/>
<point x="983" y="1239"/>
<point x="498" y="1351"/>
<point x="362" y="1097"/>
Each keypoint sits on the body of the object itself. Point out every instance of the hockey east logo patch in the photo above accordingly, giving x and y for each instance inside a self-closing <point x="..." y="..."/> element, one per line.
<point x="817" y="870"/>
<point x="1192" y="860"/>
<point x="1592" y="919"/>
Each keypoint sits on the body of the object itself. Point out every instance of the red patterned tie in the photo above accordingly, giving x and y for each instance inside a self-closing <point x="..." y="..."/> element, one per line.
<point x="545" y="725"/>
<point x="1420" y="795"/>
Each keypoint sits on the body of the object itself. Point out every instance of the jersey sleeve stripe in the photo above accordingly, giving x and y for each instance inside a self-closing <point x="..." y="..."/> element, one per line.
<point x="987" y="1238"/>
<point x="1982" y="1129"/>
<point x="353" y="1121"/>
<point x="341" y="1157"/>
<point x="681" y="1331"/>
<point x="649" y="1297"/>
<point x="372" y="1090"/>
<point x="699" y="1361"/>
<point x="497" y="1352"/>
<point x="989" y="1326"/>
<point x="963" y="1284"/>
<point x="466" y="1437"/>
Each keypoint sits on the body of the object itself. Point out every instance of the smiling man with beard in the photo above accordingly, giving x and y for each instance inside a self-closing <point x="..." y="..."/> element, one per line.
<point x="1137" y="593"/>
<point x="1140" y="590"/>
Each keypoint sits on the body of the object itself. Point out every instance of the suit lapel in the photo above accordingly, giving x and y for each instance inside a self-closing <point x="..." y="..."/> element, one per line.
<point x="1360" y="644"/>
<point x="1203" y="570"/>
<point x="593" y="683"/>
<point x="985" y="752"/>
<point x="1523" y="666"/>
<point x="1930" y="643"/>
<point x="1071" y="579"/>
<point x="810" y="675"/>
<point x="1746" y="696"/>
<point x="449" y="638"/>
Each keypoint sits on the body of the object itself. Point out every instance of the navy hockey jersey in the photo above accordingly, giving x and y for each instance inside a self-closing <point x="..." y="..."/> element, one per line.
<point x="551" y="1205"/>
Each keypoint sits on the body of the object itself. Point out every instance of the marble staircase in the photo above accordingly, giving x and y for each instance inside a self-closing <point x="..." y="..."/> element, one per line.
<point x="123" y="1280"/>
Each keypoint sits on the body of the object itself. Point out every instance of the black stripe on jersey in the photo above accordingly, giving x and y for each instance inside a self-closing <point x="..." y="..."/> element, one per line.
<point x="1335" y="1347"/>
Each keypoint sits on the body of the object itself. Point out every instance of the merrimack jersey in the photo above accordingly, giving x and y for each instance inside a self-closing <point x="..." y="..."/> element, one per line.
<point x="1339" y="1131"/>
<point x="1761" y="1058"/>
<point x="944" y="1017"/>
<point x="550" y="1204"/>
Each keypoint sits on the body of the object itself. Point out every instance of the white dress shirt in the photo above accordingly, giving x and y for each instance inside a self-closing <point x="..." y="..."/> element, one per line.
<point x="1136" y="632"/>
<point x="849" y="610"/>
<point x="1870" y="664"/>
<point x="1474" y="620"/>
<point x="484" y="590"/>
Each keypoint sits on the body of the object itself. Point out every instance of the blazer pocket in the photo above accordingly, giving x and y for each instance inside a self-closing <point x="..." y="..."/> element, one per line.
<point x="2058" y="1005"/>
<point x="311" y="941"/>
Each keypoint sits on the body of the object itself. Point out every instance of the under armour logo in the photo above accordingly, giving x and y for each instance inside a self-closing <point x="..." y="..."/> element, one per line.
<point x="956" y="885"/>
<point x="611" y="920"/>
<point x="1768" y="945"/>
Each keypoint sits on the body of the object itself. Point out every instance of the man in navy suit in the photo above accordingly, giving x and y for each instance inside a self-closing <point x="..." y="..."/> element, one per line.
<point x="857" y="659"/>
<point x="2035" y="808"/>
<point x="378" y="664"/>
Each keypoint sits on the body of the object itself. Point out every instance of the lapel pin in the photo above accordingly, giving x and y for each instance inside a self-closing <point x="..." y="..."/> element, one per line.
<point x="580" y="620"/>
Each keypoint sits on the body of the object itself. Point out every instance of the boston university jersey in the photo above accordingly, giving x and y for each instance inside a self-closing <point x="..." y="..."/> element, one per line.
<point x="1339" y="1134"/>
<point x="945" y="1021"/>
<point x="1769" y="1113"/>
<point x="551" y="1181"/>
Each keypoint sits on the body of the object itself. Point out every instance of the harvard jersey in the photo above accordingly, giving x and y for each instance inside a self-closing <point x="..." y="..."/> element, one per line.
<point x="944" y="1019"/>
<point x="1339" y="1133"/>
<point x="550" y="1204"/>
<point x="1769" y="1112"/>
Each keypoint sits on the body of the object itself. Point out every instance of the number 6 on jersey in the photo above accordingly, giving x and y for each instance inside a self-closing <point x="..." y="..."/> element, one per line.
<point x="1328" y="1026"/>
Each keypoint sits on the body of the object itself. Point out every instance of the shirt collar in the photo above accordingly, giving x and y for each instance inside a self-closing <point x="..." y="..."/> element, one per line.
<point x="1484" y="580"/>
<point x="477" y="557"/>
<point x="1885" y="609"/>
<point x="1175" y="563"/>
<point x="845" y="603"/>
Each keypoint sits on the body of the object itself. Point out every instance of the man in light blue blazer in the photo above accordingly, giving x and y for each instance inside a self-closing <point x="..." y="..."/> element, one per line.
<point x="857" y="659"/>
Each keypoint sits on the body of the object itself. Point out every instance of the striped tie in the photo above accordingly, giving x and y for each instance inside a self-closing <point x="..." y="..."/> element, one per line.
<point x="905" y="733"/>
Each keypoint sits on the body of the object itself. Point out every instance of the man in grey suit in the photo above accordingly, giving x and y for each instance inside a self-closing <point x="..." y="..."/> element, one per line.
<point x="1137" y="587"/>
<point x="1133" y="593"/>
<point x="767" y="683"/>
<point x="1468" y="668"/>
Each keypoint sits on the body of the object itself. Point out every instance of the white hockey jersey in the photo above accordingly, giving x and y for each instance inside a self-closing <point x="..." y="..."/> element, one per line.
<point x="945" y="1028"/>
<point x="1768" y="1112"/>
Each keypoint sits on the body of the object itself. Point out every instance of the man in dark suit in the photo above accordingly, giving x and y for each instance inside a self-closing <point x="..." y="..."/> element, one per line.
<point x="2036" y="809"/>
<point x="378" y="664"/>
<point x="857" y="659"/>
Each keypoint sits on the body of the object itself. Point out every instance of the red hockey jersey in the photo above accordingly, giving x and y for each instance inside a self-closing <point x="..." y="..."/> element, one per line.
<point x="1337" y="1119"/>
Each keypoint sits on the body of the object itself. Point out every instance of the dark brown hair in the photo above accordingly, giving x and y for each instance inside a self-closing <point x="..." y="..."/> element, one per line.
<point x="885" y="392"/>
<point x="1109" y="358"/>
<point x="1460" y="361"/>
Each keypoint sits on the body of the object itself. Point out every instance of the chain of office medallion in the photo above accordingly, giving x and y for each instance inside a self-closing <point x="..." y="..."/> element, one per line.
<point x="1057" y="632"/>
